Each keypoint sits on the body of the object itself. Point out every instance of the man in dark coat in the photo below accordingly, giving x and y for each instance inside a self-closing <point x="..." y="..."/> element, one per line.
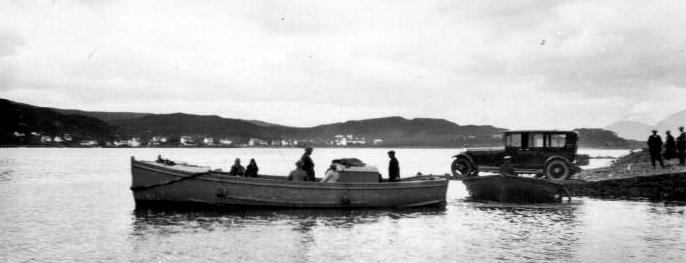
<point x="655" y="149"/>
<point x="308" y="164"/>
<point x="393" y="168"/>
<point x="681" y="146"/>
<point x="670" y="146"/>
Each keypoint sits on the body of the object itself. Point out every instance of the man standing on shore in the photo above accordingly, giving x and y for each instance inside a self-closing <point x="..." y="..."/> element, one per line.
<point x="308" y="164"/>
<point x="681" y="146"/>
<point x="655" y="149"/>
<point x="393" y="168"/>
<point x="670" y="147"/>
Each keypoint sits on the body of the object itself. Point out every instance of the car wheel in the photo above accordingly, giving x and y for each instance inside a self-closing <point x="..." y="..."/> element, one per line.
<point x="557" y="169"/>
<point x="463" y="167"/>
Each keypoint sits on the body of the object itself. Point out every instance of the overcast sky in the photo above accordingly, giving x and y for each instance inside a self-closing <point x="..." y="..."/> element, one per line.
<point x="513" y="64"/>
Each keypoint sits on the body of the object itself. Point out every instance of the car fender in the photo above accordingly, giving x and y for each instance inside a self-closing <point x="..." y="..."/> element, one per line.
<point x="465" y="155"/>
<point x="557" y="157"/>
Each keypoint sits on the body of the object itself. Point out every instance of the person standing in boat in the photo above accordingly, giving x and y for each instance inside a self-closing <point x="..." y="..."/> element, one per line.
<point x="655" y="149"/>
<point x="298" y="174"/>
<point x="670" y="146"/>
<point x="308" y="164"/>
<point x="237" y="169"/>
<point x="393" y="168"/>
<point x="251" y="170"/>
<point x="681" y="146"/>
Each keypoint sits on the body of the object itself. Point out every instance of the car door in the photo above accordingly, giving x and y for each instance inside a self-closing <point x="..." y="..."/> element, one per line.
<point x="533" y="154"/>
<point x="514" y="143"/>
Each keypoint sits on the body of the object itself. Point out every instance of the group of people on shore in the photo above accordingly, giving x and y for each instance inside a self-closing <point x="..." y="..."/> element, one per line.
<point x="304" y="169"/>
<point x="672" y="147"/>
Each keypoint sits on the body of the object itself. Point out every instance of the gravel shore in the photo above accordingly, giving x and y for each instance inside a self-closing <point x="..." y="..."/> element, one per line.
<point x="631" y="165"/>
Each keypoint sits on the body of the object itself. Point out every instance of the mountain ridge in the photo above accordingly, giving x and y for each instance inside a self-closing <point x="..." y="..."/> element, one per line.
<point x="27" y="124"/>
<point x="387" y="131"/>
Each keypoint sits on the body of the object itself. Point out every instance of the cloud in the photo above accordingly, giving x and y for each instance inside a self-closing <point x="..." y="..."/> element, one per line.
<point x="513" y="64"/>
<point x="9" y="42"/>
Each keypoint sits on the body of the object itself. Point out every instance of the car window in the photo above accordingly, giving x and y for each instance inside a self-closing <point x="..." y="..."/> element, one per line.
<point x="513" y="140"/>
<point x="558" y="140"/>
<point x="535" y="140"/>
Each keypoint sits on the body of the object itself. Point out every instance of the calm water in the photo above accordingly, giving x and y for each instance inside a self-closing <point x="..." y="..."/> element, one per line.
<point x="74" y="205"/>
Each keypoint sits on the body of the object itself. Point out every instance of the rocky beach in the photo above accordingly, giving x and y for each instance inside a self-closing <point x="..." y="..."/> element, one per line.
<point x="635" y="164"/>
<point x="632" y="177"/>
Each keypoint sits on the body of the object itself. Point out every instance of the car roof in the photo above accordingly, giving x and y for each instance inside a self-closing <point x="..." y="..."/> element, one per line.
<point x="540" y="131"/>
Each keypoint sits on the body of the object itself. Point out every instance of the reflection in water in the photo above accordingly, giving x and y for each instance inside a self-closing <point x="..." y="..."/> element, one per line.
<point x="302" y="235"/>
<point x="662" y="239"/>
<point x="526" y="232"/>
<point x="303" y="220"/>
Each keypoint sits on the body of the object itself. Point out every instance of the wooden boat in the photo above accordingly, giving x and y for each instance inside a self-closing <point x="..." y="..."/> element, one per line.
<point x="159" y="184"/>
<point x="514" y="189"/>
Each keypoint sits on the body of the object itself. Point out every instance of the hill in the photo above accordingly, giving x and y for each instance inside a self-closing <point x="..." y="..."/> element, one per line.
<point x="102" y="115"/>
<point x="392" y="130"/>
<point x="179" y="124"/>
<point x="640" y="131"/>
<point x="389" y="131"/>
<point x="672" y="122"/>
<point x="599" y="138"/>
<point x="631" y="129"/>
<point x="414" y="132"/>
<point x="19" y="121"/>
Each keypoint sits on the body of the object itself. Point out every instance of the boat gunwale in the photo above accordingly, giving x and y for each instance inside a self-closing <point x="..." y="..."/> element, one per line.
<point x="536" y="181"/>
<point x="266" y="182"/>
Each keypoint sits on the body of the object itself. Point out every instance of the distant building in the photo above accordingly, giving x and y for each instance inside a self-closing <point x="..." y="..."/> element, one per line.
<point x="257" y="142"/>
<point x="208" y="141"/>
<point x="121" y="143"/>
<point x="157" y="140"/>
<point x="153" y="141"/>
<point x="88" y="143"/>
<point x="349" y="139"/>
<point x="187" y="140"/>
<point x="135" y="142"/>
<point x="340" y="140"/>
<point x="357" y="141"/>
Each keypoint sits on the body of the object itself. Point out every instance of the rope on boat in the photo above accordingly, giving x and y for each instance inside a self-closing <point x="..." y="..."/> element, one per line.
<point x="145" y="187"/>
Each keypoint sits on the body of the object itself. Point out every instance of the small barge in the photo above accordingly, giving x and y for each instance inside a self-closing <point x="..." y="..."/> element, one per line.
<point x="514" y="189"/>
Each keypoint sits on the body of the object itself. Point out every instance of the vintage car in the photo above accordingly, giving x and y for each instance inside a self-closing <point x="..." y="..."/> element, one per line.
<point x="546" y="153"/>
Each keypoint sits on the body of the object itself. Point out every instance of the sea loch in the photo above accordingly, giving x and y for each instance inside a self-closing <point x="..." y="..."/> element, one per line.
<point x="69" y="204"/>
